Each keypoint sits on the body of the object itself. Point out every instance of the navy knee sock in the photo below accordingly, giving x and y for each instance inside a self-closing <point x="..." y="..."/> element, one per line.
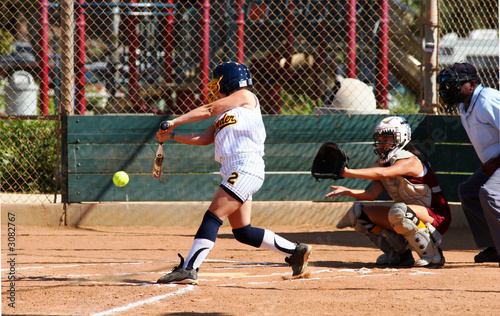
<point x="204" y="240"/>
<point x="249" y="235"/>
<point x="209" y="227"/>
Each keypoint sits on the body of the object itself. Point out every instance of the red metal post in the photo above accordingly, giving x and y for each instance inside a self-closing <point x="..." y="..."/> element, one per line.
<point x="351" y="39"/>
<point x="240" y="23"/>
<point x="205" y="49"/>
<point x="80" y="60"/>
<point x="133" y="44"/>
<point x="382" y="71"/>
<point x="44" y="56"/>
<point x="168" y="42"/>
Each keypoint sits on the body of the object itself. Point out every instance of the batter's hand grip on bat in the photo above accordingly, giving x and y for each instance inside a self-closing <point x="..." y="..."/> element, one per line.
<point x="165" y="125"/>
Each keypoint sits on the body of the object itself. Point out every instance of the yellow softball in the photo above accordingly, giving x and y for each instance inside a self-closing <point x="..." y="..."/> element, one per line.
<point x="120" y="178"/>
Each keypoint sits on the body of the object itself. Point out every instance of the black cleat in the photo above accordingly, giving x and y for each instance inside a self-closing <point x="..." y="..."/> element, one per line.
<point x="180" y="275"/>
<point x="489" y="254"/>
<point x="299" y="259"/>
<point x="404" y="259"/>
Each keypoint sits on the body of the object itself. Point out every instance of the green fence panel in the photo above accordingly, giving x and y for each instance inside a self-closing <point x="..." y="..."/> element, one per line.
<point x="98" y="146"/>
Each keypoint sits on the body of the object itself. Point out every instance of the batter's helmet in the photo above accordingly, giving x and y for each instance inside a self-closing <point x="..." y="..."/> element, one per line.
<point x="228" y="77"/>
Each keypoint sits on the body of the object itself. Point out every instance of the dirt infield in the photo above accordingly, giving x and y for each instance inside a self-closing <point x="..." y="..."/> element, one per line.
<point x="111" y="271"/>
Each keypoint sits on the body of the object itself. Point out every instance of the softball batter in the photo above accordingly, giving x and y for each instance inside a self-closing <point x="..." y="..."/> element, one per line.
<point x="420" y="213"/>
<point x="239" y="134"/>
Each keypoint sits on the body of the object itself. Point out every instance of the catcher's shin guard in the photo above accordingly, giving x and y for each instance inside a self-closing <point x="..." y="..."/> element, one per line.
<point x="389" y="242"/>
<point x="418" y="235"/>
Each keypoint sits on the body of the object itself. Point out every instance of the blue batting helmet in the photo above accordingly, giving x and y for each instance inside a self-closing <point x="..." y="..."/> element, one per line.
<point x="228" y="77"/>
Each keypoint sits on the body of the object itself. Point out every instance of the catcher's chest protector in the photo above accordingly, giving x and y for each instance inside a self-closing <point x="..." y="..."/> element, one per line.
<point x="403" y="190"/>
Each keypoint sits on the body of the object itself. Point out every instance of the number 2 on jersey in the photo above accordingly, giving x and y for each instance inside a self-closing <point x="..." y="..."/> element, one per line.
<point x="232" y="178"/>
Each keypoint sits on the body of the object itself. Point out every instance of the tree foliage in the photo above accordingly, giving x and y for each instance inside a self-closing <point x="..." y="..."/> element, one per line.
<point x="28" y="153"/>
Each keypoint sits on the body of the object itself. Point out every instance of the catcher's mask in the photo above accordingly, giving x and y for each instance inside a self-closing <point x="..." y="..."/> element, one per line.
<point x="228" y="77"/>
<point x="450" y="81"/>
<point x="398" y="129"/>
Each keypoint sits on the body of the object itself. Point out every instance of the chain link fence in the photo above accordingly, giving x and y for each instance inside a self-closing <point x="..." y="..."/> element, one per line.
<point x="306" y="57"/>
<point x="469" y="33"/>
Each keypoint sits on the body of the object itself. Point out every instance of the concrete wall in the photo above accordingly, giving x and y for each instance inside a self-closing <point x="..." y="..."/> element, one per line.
<point x="183" y="214"/>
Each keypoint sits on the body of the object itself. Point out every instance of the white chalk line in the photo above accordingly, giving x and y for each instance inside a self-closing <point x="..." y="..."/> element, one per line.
<point x="361" y="273"/>
<point x="124" y="263"/>
<point x="48" y="277"/>
<point x="87" y="264"/>
<point x="146" y="301"/>
<point x="245" y="265"/>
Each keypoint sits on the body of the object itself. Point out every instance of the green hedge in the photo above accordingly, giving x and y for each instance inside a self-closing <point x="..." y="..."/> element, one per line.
<point x="28" y="154"/>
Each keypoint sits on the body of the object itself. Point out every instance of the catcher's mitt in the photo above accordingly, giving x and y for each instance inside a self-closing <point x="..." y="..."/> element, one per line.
<point x="330" y="162"/>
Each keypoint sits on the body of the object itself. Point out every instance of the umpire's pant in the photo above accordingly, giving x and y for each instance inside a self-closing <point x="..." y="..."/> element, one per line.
<point x="480" y="197"/>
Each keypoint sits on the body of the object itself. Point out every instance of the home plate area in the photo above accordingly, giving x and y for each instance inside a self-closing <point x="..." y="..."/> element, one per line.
<point x="113" y="271"/>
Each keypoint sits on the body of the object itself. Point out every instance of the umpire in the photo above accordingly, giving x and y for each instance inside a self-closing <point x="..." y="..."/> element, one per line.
<point x="480" y="115"/>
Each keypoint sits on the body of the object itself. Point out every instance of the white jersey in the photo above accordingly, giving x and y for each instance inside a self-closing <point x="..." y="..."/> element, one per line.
<point x="239" y="131"/>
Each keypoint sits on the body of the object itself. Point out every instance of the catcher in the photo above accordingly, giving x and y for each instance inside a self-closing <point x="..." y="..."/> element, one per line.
<point x="420" y="214"/>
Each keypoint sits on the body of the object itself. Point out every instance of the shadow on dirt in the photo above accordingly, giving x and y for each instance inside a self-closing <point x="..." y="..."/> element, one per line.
<point x="454" y="239"/>
<point x="194" y="314"/>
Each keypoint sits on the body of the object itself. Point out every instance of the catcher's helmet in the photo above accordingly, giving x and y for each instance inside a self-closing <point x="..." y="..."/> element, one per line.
<point x="228" y="77"/>
<point x="451" y="79"/>
<point x="396" y="127"/>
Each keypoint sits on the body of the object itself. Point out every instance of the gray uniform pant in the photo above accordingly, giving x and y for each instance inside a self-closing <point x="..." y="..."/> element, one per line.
<point x="480" y="197"/>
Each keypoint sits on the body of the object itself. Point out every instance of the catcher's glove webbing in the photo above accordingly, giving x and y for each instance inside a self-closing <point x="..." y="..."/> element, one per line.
<point x="330" y="162"/>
